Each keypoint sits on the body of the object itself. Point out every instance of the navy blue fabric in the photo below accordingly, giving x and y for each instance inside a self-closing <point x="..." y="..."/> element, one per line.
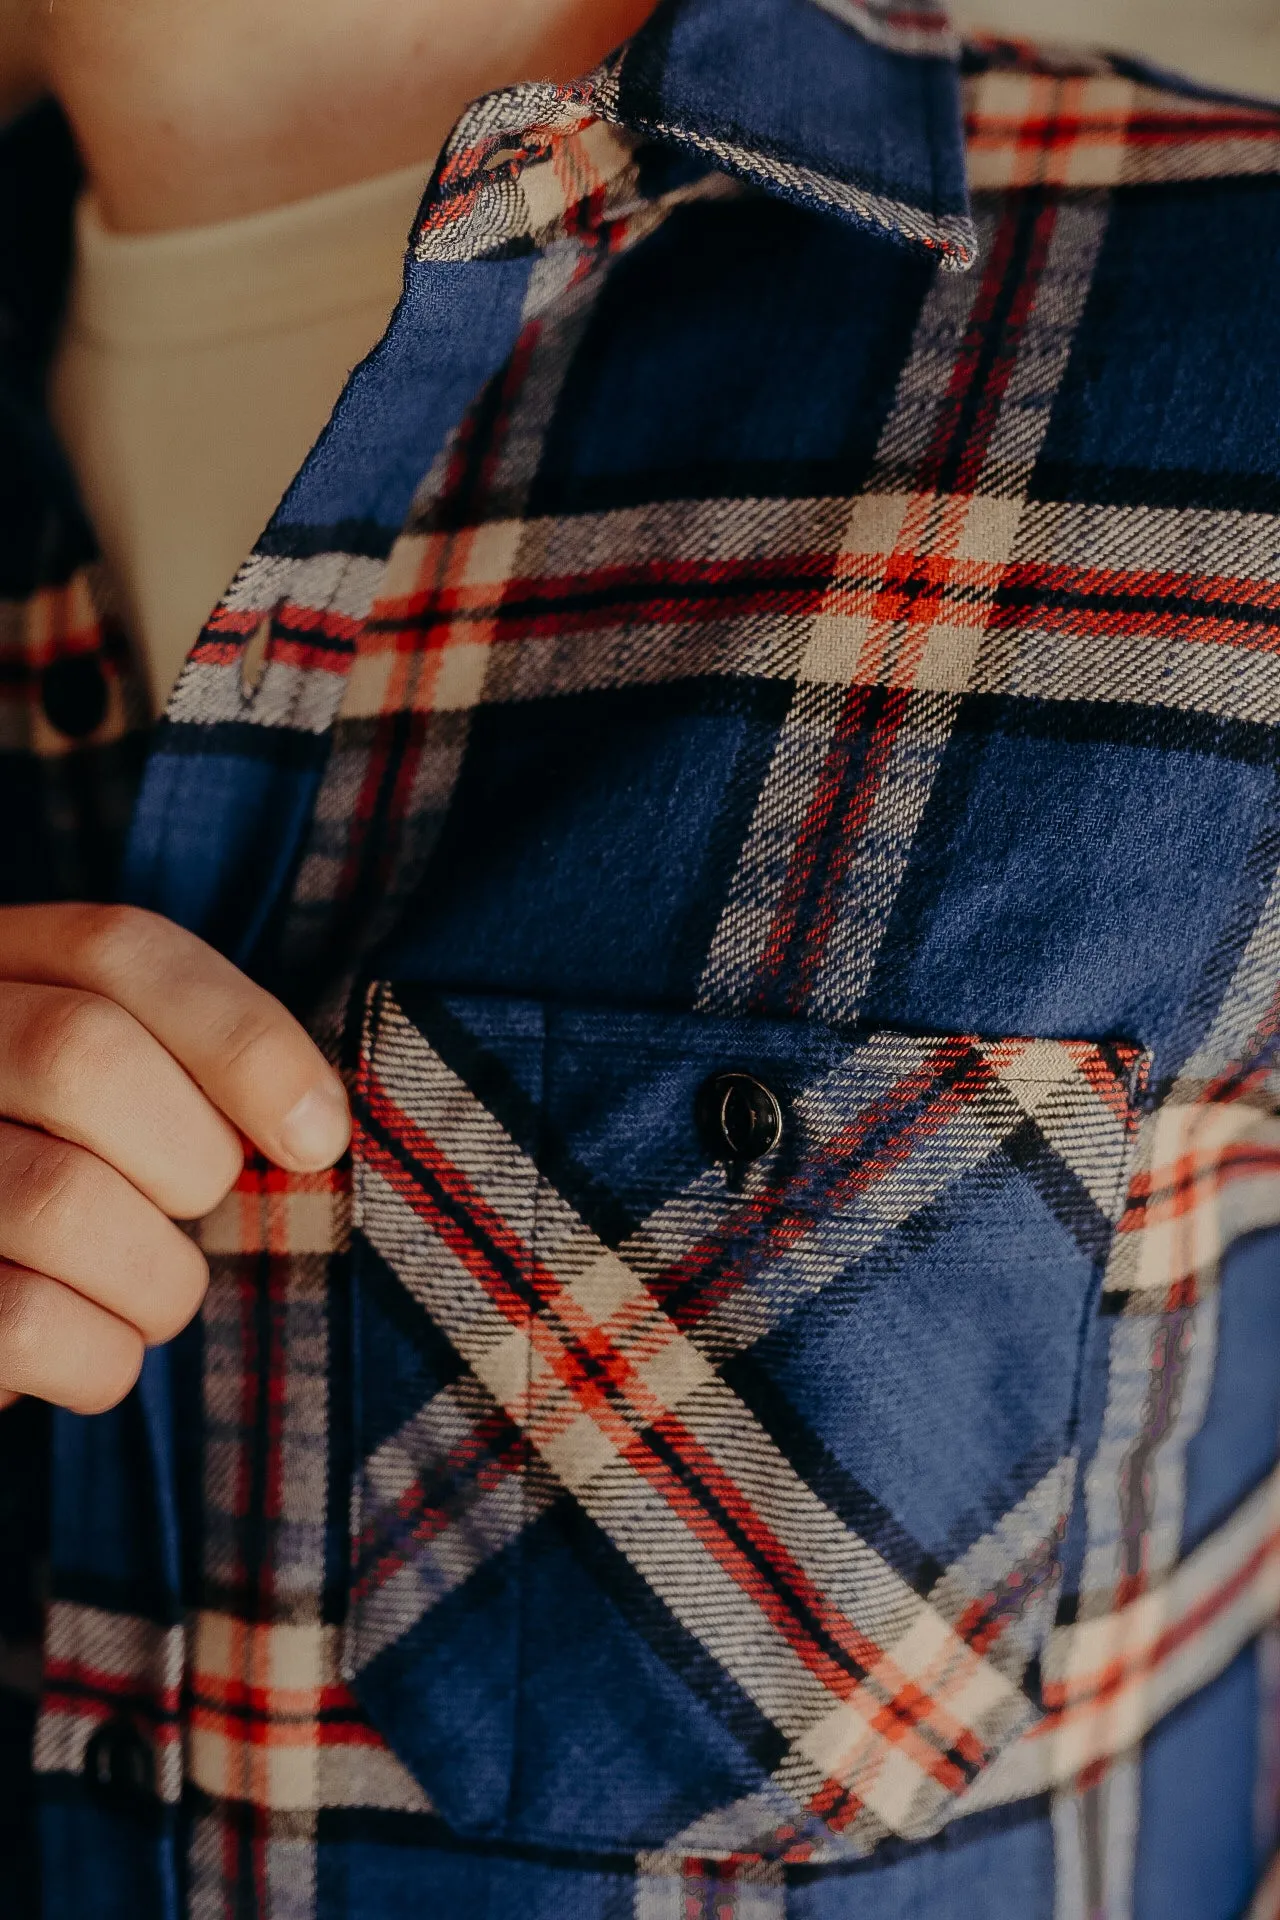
<point x="113" y="1864"/>
<point x="608" y="891"/>
<point x="687" y="401"/>
<point x="1234" y="1450"/>
<point x="400" y="407"/>
<point x="1085" y="867"/>
<point x="920" y="1450"/>
<point x="367" y="1871"/>
<point x="1044" y="854"/>
<point x="779" y="81"/>
<point x="1202" y="1843"/>
<point x="1174" y="430"/>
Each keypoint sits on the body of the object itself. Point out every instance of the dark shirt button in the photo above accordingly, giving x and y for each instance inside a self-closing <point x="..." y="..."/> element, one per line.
<point x="119" y="1767"/>
<point x="739" y="1117"/>
<point x="73" y="693"/>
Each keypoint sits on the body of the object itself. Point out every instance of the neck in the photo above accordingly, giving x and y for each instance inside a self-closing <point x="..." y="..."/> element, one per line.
<point x="191" y="114"/>
<point x="1233" y="44"/>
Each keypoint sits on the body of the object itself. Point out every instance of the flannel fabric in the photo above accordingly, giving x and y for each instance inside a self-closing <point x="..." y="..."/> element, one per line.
<point x="796" y="590"/>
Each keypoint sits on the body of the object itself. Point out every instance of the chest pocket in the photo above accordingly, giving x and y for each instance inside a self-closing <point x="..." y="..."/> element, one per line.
<point x="715" y="1438"/>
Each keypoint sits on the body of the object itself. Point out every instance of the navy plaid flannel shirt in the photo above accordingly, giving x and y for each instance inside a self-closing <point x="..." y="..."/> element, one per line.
<point x="795" y="595"/>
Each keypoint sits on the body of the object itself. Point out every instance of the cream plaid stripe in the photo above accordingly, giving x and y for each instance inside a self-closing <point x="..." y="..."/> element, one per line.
<point x="918" y="567"/>
<point x="600" y="1446"/>
<point x="1208" y="1173"/>
<point x="1011" y="1083"/>
<point x="764" y="1824"/>
<point x="1093" y="618"/>
<point x="443" y="1445"/>
<point x="675" y="1886"/>
<point x="1102" y="129"/>
<point x="1107" y="1681"/>
<point x="963" y="1126"/>
<point x="92" y="1657"/>
<point x="326" y="596"/>
<point x="1106" y="1684"/>
<point x="55" y="623"/>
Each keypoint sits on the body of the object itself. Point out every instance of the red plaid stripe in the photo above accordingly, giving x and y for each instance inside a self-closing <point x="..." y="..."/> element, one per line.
<point x="1098" y="128"/>
<point x="607" y="1389"/>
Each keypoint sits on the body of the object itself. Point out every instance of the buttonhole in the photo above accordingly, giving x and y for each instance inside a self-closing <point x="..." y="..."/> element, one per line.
<point x="502" y="158"/>
<point x="253" y="661"/>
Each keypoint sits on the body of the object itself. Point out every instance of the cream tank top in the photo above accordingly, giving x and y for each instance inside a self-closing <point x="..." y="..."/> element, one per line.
<point x="195" y="372"/>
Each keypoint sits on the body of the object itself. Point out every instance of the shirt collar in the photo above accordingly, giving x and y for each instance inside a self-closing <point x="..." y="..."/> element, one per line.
<point x="851" y="107"/>
<point x="846" y="107"/>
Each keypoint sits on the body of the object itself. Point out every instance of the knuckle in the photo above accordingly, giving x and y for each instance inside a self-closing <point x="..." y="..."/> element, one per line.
<point x="43" y="1185"/>
<point x="117" y="944"/>
<point x="245" y="1038"/>
<point x="24" y="1326"/>
<point x="66" y="1038"/>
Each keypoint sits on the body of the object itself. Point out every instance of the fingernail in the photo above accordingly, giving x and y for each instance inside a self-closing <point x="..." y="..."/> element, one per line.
<point x="315" y="1132"/>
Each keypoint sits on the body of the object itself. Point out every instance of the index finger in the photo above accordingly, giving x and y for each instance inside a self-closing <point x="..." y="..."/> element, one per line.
<point x="249" y="1055"/>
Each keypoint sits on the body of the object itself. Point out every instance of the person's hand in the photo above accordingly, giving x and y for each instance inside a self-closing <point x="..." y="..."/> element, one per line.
<point x="130" y="1054"/>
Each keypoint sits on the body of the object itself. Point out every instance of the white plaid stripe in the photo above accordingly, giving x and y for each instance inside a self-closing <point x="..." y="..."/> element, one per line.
<point x="438" y="1440"/>
<point x="394" y="671"/>
<point x="1107" y="1681"/>
<point x="1103" y="129"/>
<point x="54" y="623"/>
<point x="1027" y="1530"/>
<point x="92" y="1657"/>
<point x="1161" y="1369"/>
<point x="1038" y="1082"/>
<point x="255" y="1734"/>
<point x="526" y="197"/>
<point x="286" y="1866"/>
<point x="589" y="1454"/>
<point x="828" y="665"/>
<point x="330" y="592"/>
<point x="1240" y="1045"/>
<point x="1003" y="1556"/>
<point x="291" y="1215"/>
<point x="1041" y="1081"/>
<point x="1205" y="1173"/>
<point x="976" y="535"/>
<point x="1095" y="1839"/>
<point x="872" y="632"/>
<point x="672" y="1886"/>
<point x="235" y="1368"/>
<point x="1191" y="658"/>
<point x="591" y="1446"/>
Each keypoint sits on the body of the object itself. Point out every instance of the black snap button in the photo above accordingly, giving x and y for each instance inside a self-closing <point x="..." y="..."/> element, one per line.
<point x="739" y="1117"/>
<point x="73" y="693"/>
<point x="119" y="1767"/>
